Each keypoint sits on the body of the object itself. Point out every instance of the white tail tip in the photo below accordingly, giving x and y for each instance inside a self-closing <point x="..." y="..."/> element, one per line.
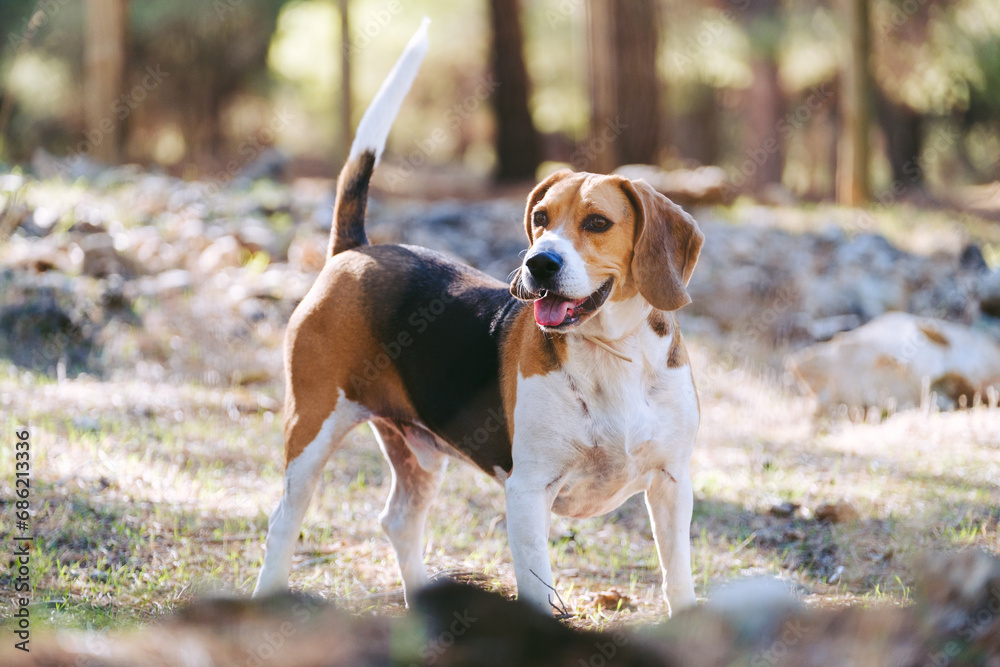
<point x="374" y="127"/>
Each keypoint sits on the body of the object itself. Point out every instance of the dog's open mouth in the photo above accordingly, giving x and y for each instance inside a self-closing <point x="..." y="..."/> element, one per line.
<point x="556" y="311"/>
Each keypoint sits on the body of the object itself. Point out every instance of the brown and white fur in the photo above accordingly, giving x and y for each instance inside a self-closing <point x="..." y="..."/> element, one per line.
<point x="571" y="386"/>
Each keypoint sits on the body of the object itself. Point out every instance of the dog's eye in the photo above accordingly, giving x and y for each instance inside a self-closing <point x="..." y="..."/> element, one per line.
<point x="541" y="218"/>
<point x="596" y="223"/>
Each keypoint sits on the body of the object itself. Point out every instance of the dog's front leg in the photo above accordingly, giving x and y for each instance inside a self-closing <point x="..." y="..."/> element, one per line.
<point x="528" y="513"/>
<point x="670" y="500"/>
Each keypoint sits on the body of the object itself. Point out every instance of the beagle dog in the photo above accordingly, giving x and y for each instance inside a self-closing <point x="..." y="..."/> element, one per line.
<point x="570" y="386"/>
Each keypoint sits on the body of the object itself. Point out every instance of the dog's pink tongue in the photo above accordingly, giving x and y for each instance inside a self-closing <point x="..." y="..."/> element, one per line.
<point x="551" y="311"/>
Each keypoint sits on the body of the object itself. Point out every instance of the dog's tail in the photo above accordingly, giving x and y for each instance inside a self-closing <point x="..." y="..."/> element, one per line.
<point x="369" y="142"/>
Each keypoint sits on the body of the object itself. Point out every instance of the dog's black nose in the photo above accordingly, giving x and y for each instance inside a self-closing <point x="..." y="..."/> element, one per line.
<point x="544" y="265"/>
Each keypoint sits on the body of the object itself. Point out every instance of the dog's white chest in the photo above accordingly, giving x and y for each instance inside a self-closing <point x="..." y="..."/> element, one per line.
<point x="600" y="428"/>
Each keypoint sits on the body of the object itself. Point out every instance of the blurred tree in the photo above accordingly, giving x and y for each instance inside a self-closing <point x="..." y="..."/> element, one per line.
<point x="104" y="74"/>
<point x="903" y="130"/>
<point x="346" y="131"/>
<point x="762" y="142"/>
<point x="517" y="140"/>
<point x="210" y="54"/>
<point x="20" y="21"/>
<point x="625" y="121"/>
<point x="853" y="150"/>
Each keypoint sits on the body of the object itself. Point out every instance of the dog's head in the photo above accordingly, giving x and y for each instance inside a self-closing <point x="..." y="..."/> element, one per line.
<point x="594" y="238"/>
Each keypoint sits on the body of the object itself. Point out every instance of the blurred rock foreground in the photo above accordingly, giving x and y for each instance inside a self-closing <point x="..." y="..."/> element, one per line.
<point x="143" y="274"/>
<point x="955" y="621"/>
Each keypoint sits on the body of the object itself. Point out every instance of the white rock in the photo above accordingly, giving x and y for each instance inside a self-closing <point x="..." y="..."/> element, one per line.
<point x="224" y="252"/>
<point x="895" y="356"/>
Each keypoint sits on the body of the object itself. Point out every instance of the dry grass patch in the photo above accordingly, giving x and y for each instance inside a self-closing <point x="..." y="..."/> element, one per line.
<point x="148" y="495"/>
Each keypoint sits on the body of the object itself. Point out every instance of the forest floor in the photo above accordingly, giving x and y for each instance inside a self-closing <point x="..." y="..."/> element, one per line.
<point x="153" y="487"/>
<point x="147" y="495"/>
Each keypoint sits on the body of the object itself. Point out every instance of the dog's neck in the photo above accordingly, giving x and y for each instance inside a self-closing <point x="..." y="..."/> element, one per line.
<point x="617" y="319"/>
<point x="614" y="326"/>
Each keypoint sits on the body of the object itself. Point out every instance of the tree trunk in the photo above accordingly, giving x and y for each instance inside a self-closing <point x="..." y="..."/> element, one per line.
<point x="346" y="131"/>
<point x="517" y="142"/>
<point x="853" y="150"/>
<point x="902" y="127"/>
<point x="104" y="76"/>
<point x="763" y="143"/>
<point x="625" y="120"/>
<point x="762" y="159"/>
<point x="695" y="132"/>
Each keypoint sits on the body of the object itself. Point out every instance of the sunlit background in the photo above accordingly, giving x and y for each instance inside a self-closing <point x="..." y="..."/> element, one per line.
<point x="206" y="83"/>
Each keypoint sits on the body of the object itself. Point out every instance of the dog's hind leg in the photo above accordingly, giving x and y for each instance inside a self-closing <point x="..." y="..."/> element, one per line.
<point x="302" y="473"/>
<point x="417" y="471"/>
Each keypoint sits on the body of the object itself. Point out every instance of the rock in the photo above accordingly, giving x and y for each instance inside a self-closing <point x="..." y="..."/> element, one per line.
<point x="40" y="330"/>
<point x="989" y="294"/>
<point x="172" y="282"/>
<point x="953" y="621"/>
<point x="84" y="227"/>
<point x="704" y="186"/>
<point x="838" y="512"/>
<point x="896" y="356"/>
<point x="270" y="164"/>
<point x="86" y="424"/>
<point x="40" y="222"/>
<point x="37" y="256"/>
<point x="612" y="600"/>
<point x="972" y="259"/>
<point x="154" y="254"/>
<point x="224" y="252"/>
<point x="824" y="328"/>
<point x="778" y="287"/>
<point x="255" y="235"/>
<point x="47" y="166"/>
<point x="783" y="510"/>
<point x="307" y="253"/>
<point x="100" y="259"/>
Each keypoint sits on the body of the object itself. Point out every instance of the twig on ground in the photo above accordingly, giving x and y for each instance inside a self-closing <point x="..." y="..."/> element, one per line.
<point x="564" y="612"/>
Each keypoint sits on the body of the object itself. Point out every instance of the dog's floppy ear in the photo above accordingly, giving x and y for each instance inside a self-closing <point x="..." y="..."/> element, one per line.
<point x="516" y="286"/>
<point x="537" y="194"/>
<point x="667" y="244"/>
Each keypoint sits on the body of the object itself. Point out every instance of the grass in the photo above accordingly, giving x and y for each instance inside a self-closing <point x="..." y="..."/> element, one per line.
<point x="162" y="494"/>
